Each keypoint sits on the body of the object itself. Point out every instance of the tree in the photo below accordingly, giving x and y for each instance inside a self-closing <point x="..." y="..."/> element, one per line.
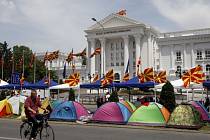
<point x="71" y="95"/>
<point x="5" y="60"/>
<point x="167" y="97"/>
<point x="114" y="97"/>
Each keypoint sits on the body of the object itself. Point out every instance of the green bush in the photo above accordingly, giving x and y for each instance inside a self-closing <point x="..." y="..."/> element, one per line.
<point x="114" y="97"/>
<point x="71" y="95"/>
<point x="167" y="97"/>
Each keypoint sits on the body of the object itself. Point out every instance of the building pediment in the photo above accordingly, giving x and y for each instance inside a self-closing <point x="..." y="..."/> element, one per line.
<point x="115" y="20"/>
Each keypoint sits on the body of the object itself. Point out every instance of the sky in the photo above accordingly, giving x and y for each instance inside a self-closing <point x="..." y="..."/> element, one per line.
<point x="48" y="25"/>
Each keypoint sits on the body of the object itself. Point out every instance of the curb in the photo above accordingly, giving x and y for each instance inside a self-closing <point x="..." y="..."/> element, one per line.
<point x="122" y="126"/>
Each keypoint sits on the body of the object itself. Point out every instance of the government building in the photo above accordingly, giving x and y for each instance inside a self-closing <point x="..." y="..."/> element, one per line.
<point x="122" y="39"/>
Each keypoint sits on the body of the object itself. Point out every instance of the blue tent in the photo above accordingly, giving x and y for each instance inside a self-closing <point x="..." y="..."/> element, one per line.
<point x="69" y="111"/>
<point x="134" y="83"/>
<point x="95" y="85"/>
<point x="43" y="85"/>
<point x="26" y="85"/>
<point x="207" y="84"/>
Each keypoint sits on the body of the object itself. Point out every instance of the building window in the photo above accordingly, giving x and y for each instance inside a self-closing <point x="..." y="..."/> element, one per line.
<point x="134" y="44"/>
<point x="178" y="71"/>
<point x="117" y="56"/>
<point x="207" y="72"/>
<point x="134" y="55"/>
<point x="112" y="64"/>
<point x="178" y="56"/>
<point x="117" y="76"/>
<point x="122" y="63"/>
<point x="199" y="55"/>
<point x="112" y="56"/>
<point x="207" y="54"/>
<point x="122" y="47"/>
<point x="112" y="48"/>
<point x="117" y="47"/>
<point x="122" y="55"/>
<point x="134" y="64"/>
<point x="117" y="64"/>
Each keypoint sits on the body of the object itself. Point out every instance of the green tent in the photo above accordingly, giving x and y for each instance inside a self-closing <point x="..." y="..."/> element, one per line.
<point x="152" y="114"/>
<point x="185" y="116"/>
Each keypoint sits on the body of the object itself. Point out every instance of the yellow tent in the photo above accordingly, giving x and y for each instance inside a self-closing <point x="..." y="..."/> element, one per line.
<point x="45" y="104"/>
<point x="5" y="108"/>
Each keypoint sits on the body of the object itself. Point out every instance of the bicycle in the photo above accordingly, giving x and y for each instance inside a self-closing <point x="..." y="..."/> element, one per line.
<point x="44" y="130"/>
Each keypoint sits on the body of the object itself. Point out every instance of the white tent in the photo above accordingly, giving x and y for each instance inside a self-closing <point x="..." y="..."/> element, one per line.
<point x="17" y="101"/>
<point x="64" y="86"/>
<point x="3" y="83"/>
<point x="178" y="84"/>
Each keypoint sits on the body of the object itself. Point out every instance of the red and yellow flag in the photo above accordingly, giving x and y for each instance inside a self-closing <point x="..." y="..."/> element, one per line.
<point x="193" y="75"/>
<point x="83" y="53"/>
<point x="147" y="75"/>
<point x="95" y="78"/>
<point x="160" y="77"/>
<point x="96" y="52"/>
<point x="73" y="80"/>
<point x="108" y="79"/>
<point x="126" y="77"/>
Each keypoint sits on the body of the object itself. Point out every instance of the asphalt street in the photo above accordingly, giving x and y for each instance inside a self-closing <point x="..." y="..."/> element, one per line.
<point x="9" y="130"/>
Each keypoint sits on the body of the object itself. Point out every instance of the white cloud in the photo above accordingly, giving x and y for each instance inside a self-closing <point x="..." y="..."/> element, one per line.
<point x="188" y="14"/>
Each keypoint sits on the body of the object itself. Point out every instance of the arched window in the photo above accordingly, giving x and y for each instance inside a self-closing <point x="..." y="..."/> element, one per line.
<point x="117" y="77"/>
<point x="178" y="71"/>
<point x="207" y="68"/>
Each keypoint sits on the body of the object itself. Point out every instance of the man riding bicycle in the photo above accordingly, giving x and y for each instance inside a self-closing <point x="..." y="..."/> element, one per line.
<point x="31" y="106"/>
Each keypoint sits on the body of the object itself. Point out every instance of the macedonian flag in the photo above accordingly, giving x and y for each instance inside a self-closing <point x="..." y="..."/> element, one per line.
<point x="108" y="79"/>
<point x="193" y="75"/>
<point x="126" y="77"/>
<point x="160" y="77"/>
<point x="147" y="75"/>
<point x="73" y="80"/>
<point x="96" y="52"/>
<point x="95" y="78"/>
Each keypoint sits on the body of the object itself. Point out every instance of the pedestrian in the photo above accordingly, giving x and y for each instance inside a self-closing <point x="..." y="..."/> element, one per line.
<point x="207" y="103"/>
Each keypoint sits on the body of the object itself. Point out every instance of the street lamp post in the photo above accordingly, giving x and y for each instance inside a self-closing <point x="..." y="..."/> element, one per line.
<point x="102" y="45"/>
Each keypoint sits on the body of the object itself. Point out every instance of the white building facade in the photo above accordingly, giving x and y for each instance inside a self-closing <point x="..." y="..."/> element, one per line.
<point x="122" y="39"/>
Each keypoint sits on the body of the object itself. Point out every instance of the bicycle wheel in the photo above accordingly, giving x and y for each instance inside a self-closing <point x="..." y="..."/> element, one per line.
<point x="47" y="133"/>
<point x="25" y="131"/>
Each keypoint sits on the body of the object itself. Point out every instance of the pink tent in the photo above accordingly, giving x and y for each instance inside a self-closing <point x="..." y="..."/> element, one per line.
<point x="201" y="109"/>
<point x="112" y="112"/>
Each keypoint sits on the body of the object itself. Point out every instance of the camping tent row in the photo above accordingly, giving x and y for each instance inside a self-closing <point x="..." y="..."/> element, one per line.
<point x="26" y="85"/>
<point x="124" y="112"/>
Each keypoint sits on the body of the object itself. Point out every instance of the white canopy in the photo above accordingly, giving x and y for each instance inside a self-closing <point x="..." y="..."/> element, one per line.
<point x="3" y="83"/>
<point x="65" y="86"/>
<point x="178" y="84"/>
<point x="15" y="103"/>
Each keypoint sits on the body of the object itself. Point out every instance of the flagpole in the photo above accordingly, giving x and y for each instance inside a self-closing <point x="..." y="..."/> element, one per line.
<point x="23" y="62"/>
<point x="34" y="68"/>
<point x="2" y="66"/>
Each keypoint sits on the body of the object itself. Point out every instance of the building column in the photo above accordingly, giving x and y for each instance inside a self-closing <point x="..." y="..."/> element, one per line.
<point x="126" y="51"/>
<point x="185" y="57"/>
<point x="138" y="47"/>
<point x="192" y="55"/>
<point x="103" y="62"/>
<point x="172" y="58"/>
<point x="92" y="60"/>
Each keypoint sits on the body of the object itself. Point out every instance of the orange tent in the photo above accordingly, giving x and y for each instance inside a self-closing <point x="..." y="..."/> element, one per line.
<point x="5" y="108"/>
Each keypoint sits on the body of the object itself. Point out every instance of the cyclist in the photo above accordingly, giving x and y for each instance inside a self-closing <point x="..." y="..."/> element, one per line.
<point x="31" y="106"/>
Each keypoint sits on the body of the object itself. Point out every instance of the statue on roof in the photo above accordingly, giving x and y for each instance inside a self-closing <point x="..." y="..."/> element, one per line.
<point x="122" y="12"/>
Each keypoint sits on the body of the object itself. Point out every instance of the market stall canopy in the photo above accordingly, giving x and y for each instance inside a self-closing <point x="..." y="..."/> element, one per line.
<point x="134" y="83"/>
<point x="64" y="86"/>
<point x="179" y="84"/>
<point x="3" y="83"/>
<point x="26" y="85"/>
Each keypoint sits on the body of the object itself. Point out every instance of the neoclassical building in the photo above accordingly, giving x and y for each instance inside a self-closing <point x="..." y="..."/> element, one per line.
<point x="122" y="39"/>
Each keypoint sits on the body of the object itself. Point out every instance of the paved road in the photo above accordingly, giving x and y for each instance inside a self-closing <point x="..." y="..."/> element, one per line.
<point x="9" y="130"/>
